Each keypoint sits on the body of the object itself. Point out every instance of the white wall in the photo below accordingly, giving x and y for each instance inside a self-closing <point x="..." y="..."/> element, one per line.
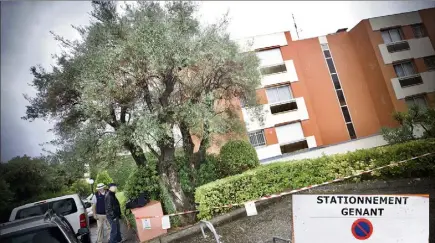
<point x="262" y="41"/>
<point x="264" y="152"/>
<point x="271" y="120"/>
<point x="418" y="48"/>
<point x="363" y="143"/>
<point x="428" y="85"/>
<point x="311" y="140"/>
<point x="323" y="40"/>
<point x="276" y="78"/>
<point x="395" y="20"/>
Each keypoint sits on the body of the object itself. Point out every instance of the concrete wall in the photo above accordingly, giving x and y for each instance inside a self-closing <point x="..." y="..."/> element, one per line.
<point x="428" y="85"/>
<point x="270" y="120"/>
<point x="395" y="20"/>
<point x="420" y="47"/>
<point x="362" y="143"/>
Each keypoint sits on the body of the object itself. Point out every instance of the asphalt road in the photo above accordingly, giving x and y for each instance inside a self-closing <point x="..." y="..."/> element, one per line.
<point x="125" y="233"/>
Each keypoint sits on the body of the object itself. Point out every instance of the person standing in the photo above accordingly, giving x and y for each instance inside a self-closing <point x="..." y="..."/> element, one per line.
<point x="113" y="213"/>
<point x="99" y="211"/>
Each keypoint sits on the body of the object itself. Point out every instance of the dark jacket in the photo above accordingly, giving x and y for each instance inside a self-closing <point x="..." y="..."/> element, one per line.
<point x="113" y="210"/>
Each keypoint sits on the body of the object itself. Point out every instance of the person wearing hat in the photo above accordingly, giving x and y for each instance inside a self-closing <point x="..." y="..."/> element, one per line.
<point x="113" y="213"/>
<point x="99" y="210"/>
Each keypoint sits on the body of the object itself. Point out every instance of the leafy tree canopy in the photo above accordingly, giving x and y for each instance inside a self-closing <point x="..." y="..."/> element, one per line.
<point x="135" y="77"/>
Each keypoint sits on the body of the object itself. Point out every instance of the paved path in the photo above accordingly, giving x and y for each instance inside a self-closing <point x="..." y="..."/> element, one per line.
<point x="275" y="219"/>
<point x="127" y="234"/>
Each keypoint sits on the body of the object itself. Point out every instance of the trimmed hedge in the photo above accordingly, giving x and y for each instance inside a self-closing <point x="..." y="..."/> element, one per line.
<point x="282" y="176"/>
<point x="236" y="157"/>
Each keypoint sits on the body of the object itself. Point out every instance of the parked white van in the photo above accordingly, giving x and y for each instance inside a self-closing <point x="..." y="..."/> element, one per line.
<point x="69" y="206"/>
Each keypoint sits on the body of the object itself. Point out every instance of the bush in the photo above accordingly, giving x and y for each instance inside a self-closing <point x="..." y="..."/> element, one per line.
<point x="236" y="157"/>
<point x="121" y="170"/>
<point x="208" y="171"/>
<point x="103" y="177"/>
<point x="81" y="187"/>
<point x="278" y="177"/>
<point x="144" y="178"/>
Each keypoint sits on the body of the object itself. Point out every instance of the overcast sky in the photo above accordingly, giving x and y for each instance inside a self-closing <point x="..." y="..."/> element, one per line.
<point x="26" y="41"/>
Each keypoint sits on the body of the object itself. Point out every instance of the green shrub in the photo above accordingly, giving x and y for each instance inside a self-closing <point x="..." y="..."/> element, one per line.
<point x="281" y="176"/>
<point x="121" y="170"/>
<point x="144" y="178"/>
<point x="81" y="187"/>
<point x="103" y="177"/>
<point x="237" y="156"/>
<point x="208" y="170"/>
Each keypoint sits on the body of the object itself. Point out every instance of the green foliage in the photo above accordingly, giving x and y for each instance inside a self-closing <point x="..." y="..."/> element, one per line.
<point x="143" y="178"/>
<point x="81" y="187"/>
<point x="281" y="176"/>
<point x="208" y="170"/>
<point x="415" y="120"/>
<point x="103" y="177"/>
<point x="121" y="170"/>
<point x="236" y="157"/>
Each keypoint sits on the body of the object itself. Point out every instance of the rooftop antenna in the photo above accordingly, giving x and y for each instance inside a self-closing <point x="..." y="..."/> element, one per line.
<point x="296" y="27"/>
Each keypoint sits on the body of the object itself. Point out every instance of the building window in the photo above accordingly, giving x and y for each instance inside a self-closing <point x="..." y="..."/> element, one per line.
<point x="346" y="114"/>
<point x="331" y="65"/>
<point x="279" y="94"/>
<point x="336" y="81"/>
<point x="392" y="35"/>
<point x="351" y="130"/>
<point x="404" y="69"/>
<point x="270" y="57"/>
<point x="340" y="96"/>
<point x="291" y="106"/>
<point x="419" y="30"/>
<point x="419" y="101"/>
<point x="293" y="147"/>
<point x="273" y="69"/>
<point x="257" y="138"/>
<point x="430" y="62"/>
<point x="398" y="46"/>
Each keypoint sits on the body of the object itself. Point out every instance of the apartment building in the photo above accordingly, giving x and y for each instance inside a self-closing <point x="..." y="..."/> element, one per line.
<point x="343" y="86"/>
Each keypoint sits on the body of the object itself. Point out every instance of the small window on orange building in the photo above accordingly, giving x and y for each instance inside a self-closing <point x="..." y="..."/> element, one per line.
<point x="257" y="138"/>
<point x="430" y="63"/>
<point x="293" y="147"/>
<point x="418" y="30"/>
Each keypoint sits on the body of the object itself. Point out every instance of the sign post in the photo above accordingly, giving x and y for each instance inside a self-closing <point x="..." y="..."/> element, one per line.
<point x="360" y="218"/>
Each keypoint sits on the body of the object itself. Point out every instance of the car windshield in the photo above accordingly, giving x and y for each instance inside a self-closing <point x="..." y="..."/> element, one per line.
<point x="45" y="235"/>
<point x="61" y="207"/>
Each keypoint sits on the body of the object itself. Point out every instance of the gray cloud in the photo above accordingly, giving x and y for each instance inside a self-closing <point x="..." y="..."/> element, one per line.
<point x="25" y="41"/>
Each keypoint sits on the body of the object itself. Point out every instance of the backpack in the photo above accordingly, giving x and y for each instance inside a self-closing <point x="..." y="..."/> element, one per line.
<point x="142" y="200"/>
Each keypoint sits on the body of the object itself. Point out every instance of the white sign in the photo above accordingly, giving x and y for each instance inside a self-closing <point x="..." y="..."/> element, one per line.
<point x="166" y="222"/>
<point x="357" y="218"/>
<point x="146" y="223"/>
<point x="251" y="210"/>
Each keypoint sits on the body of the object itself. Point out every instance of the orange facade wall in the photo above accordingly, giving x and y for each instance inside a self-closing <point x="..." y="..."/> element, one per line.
<point x="354" y="85"/>
<point x="387" y="70"/>
<point x="270" y="135"/>
<point x="373" y="69"/>
<point x="325" y="122"/>
<point x="407" y="32"/>
<point x="261" y="96"/>
<point x="428" y="18"/>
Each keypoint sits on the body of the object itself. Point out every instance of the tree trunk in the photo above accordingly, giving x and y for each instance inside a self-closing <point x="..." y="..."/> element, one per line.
<point x="137" y="153"/>
<point x="170" y="177"/>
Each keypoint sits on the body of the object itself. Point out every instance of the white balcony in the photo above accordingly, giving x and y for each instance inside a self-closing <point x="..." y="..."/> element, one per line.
<point x="262" y="41"/>
<point x="273" y="150"/>
<point x="270" y="120"/>
<point x="418" y="48"/>
<point x="428" y="85"/>
<point x="289" y="75"/>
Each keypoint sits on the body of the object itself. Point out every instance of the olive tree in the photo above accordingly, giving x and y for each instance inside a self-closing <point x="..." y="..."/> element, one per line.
<point x="134" y="77"/>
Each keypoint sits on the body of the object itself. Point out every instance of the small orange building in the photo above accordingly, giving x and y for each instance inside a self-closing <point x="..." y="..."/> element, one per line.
<point x="342" y="86"/>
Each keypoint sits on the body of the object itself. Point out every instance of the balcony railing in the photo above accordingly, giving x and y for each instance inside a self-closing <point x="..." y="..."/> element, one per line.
<point x="280" y="68"/>
<point x="398" y="46"/>
<point x="410" y="81"/>
<point x="283" y="107"/>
